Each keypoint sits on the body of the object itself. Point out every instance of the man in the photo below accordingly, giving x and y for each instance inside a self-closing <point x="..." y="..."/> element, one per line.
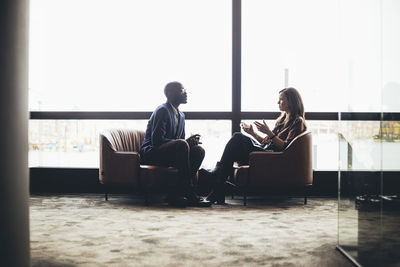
<point x="165" y="145"/>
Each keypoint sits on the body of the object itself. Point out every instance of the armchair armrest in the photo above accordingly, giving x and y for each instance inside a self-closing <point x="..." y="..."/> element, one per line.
<point x="272" y="168"/>
<point x="119" y="167"/>
<point x="261" y="157"/>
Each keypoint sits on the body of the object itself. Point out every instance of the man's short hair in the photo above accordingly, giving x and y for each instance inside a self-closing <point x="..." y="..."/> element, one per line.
<point x="170" y="86"/>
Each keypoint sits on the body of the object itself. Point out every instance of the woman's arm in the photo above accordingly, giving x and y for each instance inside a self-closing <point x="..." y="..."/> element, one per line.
<point x="297" y="127"/>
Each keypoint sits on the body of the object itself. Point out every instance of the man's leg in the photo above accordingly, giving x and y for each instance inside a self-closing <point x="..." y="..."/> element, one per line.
<point x="181" y="162"/>
<point x="174" y="153"/>
<point x="197" y="154"/>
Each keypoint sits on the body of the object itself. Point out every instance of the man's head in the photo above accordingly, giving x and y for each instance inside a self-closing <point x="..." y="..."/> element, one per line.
<point x="175" y="93"/>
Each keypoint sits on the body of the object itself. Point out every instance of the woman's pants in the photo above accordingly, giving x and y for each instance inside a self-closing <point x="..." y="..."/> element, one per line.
<point x="237" y="149"/>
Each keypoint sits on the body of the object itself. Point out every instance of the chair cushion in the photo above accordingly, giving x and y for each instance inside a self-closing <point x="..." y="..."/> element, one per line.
<point x="157" y="176"/>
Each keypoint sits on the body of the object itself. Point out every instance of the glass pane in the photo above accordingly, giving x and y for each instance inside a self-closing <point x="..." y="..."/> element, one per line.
<point x="370" y="154"/>
<point x="286" y="43"/>
<point x="75" y="143"/>
<point x="315" y="46"/>
<point x="363" y="145"/>
<point x="214" y="135"/>
<point x="389" y="135"/>
<point x="390" y="56"/>
<point x="118" y="55"/>
<point x="360" y="164"/>
<point x="389" y="243"/>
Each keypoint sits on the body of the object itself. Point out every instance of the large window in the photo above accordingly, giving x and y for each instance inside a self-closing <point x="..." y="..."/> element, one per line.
<point x="115" y="57"/>
<point x="106" y="55"/>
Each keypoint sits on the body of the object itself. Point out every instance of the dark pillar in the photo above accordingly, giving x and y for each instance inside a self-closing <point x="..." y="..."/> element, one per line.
<point x="14" y="185"/>
<point x="236" y="64"/>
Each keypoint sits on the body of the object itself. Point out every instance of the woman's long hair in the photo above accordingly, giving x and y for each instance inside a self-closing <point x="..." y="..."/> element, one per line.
<point x="295" y="104"/>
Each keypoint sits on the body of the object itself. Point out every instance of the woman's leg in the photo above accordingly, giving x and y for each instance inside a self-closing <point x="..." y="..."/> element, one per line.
<point x="237" y="149"/>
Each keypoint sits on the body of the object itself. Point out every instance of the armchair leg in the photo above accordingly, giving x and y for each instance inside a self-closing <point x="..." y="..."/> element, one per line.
<point x="307" y="192"/>
<point x="146" y="198"/>
<point x="244" y="197"/>
<point x="105" y="192"/>
<point x="232" y="187"/>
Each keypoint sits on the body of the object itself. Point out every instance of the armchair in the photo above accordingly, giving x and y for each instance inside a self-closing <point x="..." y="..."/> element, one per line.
<point x="291" y="168"/>
<point x="120" y="163"/>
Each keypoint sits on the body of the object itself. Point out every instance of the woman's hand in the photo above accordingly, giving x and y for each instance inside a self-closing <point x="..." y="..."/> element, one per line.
<point x="248" y="128"/>
<point x="263" y="127"/>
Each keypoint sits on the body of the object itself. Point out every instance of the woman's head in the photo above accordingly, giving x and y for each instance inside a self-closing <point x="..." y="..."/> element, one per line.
<point x="290" y="103"/>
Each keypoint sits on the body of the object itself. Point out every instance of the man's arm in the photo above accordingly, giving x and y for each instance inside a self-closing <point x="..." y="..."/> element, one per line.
<point x="159" y="129"/>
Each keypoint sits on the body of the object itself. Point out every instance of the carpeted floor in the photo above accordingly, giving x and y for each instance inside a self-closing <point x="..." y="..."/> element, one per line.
<point x="85" y="230"/>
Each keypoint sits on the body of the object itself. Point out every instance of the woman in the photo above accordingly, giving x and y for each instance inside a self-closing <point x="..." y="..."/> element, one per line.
<point x="290" y="123"/>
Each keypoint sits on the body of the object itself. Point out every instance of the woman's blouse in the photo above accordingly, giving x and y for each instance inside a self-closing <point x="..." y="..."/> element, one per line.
<point x="288" y="133"/>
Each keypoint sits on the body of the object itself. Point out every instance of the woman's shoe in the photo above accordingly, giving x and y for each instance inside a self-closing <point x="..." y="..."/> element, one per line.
<point x="195" y="201"/>
<point x="216" y="196"/>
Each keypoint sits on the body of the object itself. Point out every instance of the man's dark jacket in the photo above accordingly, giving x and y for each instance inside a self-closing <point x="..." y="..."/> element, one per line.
<point x="161" y="128"/>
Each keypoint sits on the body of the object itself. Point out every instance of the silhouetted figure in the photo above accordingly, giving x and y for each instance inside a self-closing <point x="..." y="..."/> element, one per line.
<point x="165" y="145"/>
<point x="290" y="123"/>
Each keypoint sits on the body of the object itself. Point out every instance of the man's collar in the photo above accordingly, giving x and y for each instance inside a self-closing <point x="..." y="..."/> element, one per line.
<point x="173" y="107"/>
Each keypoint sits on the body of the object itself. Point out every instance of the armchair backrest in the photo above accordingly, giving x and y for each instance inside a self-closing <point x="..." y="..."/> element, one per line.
<point x="124" y="140"/>
<point x="300" y="144"/>
<point x="119" y="156"/>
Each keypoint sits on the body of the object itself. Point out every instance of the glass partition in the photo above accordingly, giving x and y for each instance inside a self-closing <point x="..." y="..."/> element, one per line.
<point x="369" y="151"/>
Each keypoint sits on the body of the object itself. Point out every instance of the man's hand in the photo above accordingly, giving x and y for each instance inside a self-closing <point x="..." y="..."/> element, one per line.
<point x="248" y="128"/>
<point x="193" y="140"/>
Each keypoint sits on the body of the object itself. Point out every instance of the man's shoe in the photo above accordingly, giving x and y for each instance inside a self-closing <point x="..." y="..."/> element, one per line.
<point x="200" y="203"/>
